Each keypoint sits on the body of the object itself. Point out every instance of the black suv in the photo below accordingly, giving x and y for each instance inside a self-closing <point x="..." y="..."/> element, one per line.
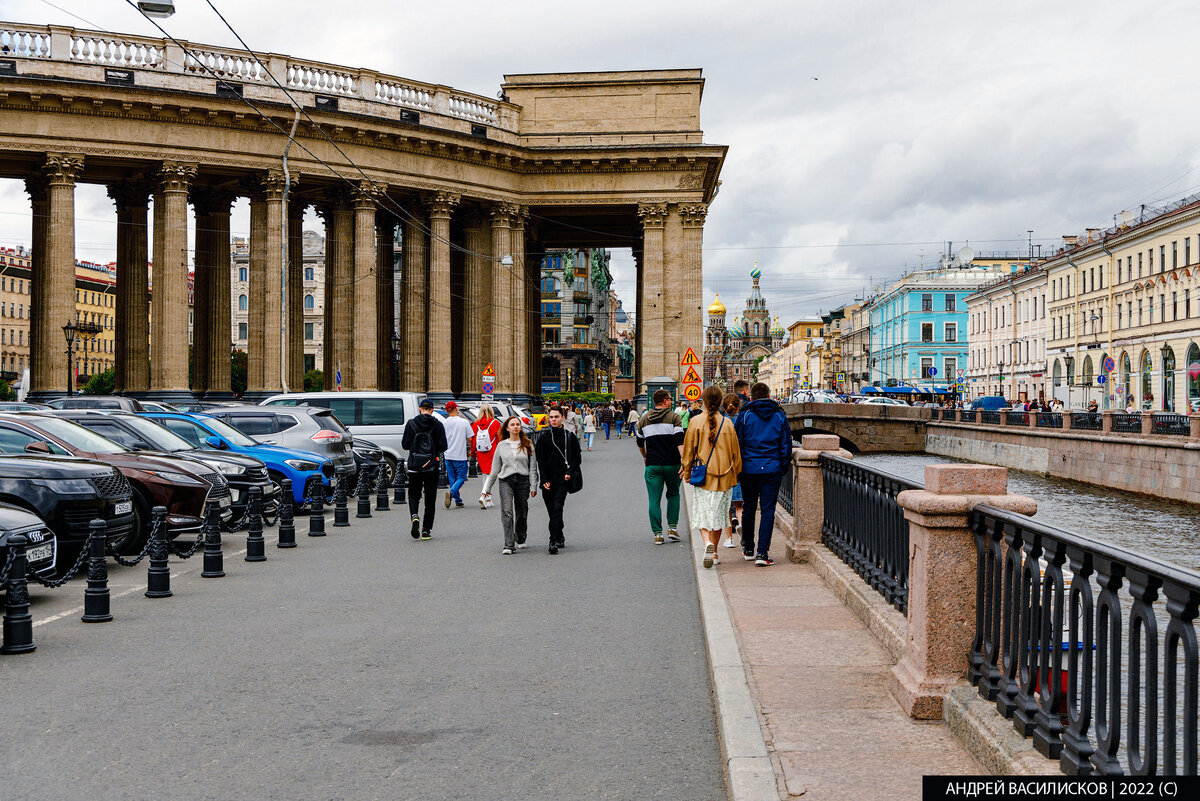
<point x="40" y="550"/>
<point x="68" y="493"/>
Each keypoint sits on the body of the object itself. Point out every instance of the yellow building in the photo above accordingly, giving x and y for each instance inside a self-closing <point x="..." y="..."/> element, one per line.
<point x="778" y="370"/>
<point x="14" y="312"/>
<point x="95" y="303"/>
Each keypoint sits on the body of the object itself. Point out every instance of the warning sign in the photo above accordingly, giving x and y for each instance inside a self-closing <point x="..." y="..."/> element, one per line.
<point x="692" y="392"/>
<point x="691" y="376"/>
<point x="488" y="370"/>
<point x="689" y="358"/>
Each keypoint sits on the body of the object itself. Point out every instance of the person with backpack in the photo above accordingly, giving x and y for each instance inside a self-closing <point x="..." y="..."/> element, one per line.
<point x="425" y="440"/>
<point x="515" y="469"/>
<point x="486" y="432"/>
<point x="458" y="436"/>
<point x="660" y="439"/>
<point x="766" y="442"/>
<point x="558" y="464"/>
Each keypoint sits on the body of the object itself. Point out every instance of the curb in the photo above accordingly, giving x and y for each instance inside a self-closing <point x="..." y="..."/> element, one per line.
<point x="749" y="774"/>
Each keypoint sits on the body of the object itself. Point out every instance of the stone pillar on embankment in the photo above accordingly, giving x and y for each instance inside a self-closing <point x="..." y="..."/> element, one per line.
<point x="808" y="494"/>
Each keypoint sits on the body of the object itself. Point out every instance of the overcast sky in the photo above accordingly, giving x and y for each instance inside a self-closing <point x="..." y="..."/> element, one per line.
<point x="862" y="135"/>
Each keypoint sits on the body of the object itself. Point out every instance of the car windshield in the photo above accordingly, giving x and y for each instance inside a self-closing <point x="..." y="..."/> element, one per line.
<point x="235" y="437"/>
<point x="158" y="436"/>
<point x="77" y="436"/>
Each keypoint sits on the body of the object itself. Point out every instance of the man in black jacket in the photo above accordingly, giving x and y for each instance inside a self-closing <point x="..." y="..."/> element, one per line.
<point x="558" y="458"/>
<point x="425" y="440"/>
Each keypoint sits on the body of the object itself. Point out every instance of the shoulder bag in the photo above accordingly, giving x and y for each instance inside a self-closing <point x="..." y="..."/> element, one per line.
<point x="699" y="470"/>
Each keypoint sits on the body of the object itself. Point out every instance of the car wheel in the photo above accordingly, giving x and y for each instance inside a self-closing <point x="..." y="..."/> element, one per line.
<point x="389" y="469"/>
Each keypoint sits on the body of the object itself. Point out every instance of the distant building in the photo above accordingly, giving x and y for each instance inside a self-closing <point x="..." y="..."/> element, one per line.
<point x="14" y="312"/>
<point x="733" y="352"/>
<point x="577" y="321"/>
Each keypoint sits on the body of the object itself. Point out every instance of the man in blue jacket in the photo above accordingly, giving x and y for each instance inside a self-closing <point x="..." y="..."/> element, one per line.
<point x="766" y="442"/>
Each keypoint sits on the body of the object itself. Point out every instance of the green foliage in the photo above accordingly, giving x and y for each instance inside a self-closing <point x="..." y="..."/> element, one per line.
<point x="101" y="383"/>
<point x="237" y="372"/>
<point x="314" y="381"/>
<point x="590" y="398"/>
<point x="6" y="392"/>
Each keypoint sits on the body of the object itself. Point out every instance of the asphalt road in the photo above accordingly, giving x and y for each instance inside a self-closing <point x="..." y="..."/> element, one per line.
<point x="366" y="665"/>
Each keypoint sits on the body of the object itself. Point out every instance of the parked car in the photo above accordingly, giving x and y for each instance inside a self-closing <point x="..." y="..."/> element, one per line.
<point x="18" y="406"/>
<point x="303" y="468"/>
<point x="815" y="396"/>
<point x="158" y="479"/>
<point x="41" y="547"/>
<point x="198" y="406"/>
<point x="96" y="402"/>
<point x="308" y="428"/>
<point x="990" y="403"/>
<point x="156" y="406"/>
<point x="139" y="433"/>
<point x="67" y="493"/>
<point x="378" y="416"/>
<point x="882" y="400"/>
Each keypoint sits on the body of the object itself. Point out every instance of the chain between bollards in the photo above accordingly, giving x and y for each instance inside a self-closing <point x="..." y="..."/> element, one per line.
<point x="381" y="488"/>
<point x="96" y="596"/>
<point x="214" y="560"/>
<point x="341" y="515"/>
<point x="255" y="544"/>
<point x="287" y="523"/>
<point x="158" y="575"/>
<point x="398" y="484"/>
<point x="18" y="623"/>
<point x="363" y="491"/>
<point x="316" y="512"/>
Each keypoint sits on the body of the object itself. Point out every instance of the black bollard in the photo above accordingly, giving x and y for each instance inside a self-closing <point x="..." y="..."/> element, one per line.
<point x="443" y="479"/>
<point x="381" y="489"/>
<point x="287" y="522"/>
<point x="473" y="469"/>
<point x="341" y="515"/>
<point x="398" y="485"/>
<point x="214" y="560"/>
<point x="364" y="492"/>
<point x="158" y="575"/>
<point x="18" y="623"/>
<point x="255" y="544"/>
<point x="316" y="511"/>
<point x="95" y="597"/>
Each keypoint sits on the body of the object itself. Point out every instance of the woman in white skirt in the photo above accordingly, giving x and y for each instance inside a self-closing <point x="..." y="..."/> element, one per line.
<point x="710" y="440"/>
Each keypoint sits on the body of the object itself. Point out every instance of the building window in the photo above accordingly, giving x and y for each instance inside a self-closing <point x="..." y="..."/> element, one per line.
<point x="1187" y="251"/>
<point x="1118" y="315"/>
<point x="951" y="332"/>
<point x="549" y="285"/>
<point x="309" y="303"/>
<point x="581" y="336"/>
<point x="308" y="274"/>
<point x="1162" y="258"/>
<point x="926" y="332"/>
<point x="1140" y="264"/>
<point x="243" y="303"/>
<point x="949" y="303"/>
<point x="242" y="273"/>
<point x="1118" y="271"/>
<point x="1140" y="312"/>
<point x="927" y="302"/>
<point x="1174" y="255"/>
<point x="1162" y="308"/>
<point x="1187" y="305"/>
<point x="308" y="331"/>
<point x="550" y="336"/>
<point x="1174" y="307"/>
<point x="551" y="310"/>
<point x="241" y="330"/>
<point x="951" y="368"/>
<point x="926" y="366"/>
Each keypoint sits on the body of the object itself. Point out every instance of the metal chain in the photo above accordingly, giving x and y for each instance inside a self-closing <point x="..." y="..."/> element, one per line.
<point x="266" y="516"/>
<point x="232" y="527"/>
<point x="135" y="560"/>
<point x="182" y="554"/>
<point x="58" y="582"/>
<point x="7" y="564"/>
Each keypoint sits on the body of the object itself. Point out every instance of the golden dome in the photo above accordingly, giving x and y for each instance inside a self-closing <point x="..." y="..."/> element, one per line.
<point x="717" y="307"/>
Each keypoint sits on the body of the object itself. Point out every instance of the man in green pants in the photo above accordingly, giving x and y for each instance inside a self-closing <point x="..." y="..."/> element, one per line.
<point x="660" y="439"/>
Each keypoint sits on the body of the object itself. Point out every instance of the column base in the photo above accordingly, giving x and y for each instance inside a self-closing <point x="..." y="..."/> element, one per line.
<point x="219" y="395"/>
<point x="641" y="400"/>
<point x="922" y="697"/>
<point x="257" y="396"/>
<point x="472" y="398"/>
<point x="520" y="399"/>
<point x="166" y="396"/>
<point x="42" y="395"/>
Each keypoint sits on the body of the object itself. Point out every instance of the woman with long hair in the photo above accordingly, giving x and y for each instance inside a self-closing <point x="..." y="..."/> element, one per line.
<point x="589" y="427"/>
<point x="710" y="441"/>
<point x="730" y="405"/>
<point x="486" y="433"/>
<point x="514" y="467"/>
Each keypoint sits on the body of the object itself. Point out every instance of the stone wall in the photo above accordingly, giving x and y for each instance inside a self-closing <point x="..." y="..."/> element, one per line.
<point x="862" y="428"/>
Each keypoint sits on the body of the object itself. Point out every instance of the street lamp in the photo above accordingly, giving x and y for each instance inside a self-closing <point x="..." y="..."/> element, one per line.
<point x="160" y="9"/>
<point x="396" y="359"/>
<point x="69" y="332"/>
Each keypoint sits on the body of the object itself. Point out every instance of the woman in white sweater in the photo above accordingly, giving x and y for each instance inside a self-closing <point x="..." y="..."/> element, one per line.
<point x="514" y="467"/>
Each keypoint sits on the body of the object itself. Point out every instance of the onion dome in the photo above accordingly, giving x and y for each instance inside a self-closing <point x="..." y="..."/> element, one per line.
<point x="717" y="308"/>
<point x="777" y="329"/>
<point x="756" y="273"/>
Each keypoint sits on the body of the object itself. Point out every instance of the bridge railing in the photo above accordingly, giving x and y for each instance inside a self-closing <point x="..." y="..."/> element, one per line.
<point x="865" y="526"/>
<point x="97" y="48"/>
<point x="1089" y="648"/>
<point x="1169" y="424"/>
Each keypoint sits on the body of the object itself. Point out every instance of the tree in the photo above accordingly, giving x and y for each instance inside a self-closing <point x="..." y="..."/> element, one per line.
<point x="314" y="381"/>
<point x="237" y="372"/>
<point x="101" y="384"/>
<point x="6" y="392"/>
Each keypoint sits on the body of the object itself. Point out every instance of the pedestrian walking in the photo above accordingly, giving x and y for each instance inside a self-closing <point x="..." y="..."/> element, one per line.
<point x="515" y="470"/>
<point x="558" y="460"/>
<point x="619" y="420"/>
<point x="660" y="439"/>
<point x="765" y="439"/>
<point x="486" y="432"/>
<point x="631" y="419"/>
<point x="425" y="440"/>
<point x="711" y="463"/>
<point x="684" y="414"/>
<point x="731" y="404"/>
<point x="589" y="428"/>
<point x="458" y="437"/>
<point x="606" y="419"/>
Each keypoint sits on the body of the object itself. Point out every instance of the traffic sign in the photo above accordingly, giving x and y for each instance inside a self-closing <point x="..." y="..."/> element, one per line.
<point x="489" y="371"/>
<point x="692" y="392"/>
<point x="1109" y="364"/>
<point x="797" y="369"/>
<point x="691" y="377"/>
<point x="488" y="388"/>
<point x="1100" y="379"/>
<point x="841" y="377"/>
<point x="932" y="371"/>
<point x="689" y="358"/>
<point x="960" y="373"/>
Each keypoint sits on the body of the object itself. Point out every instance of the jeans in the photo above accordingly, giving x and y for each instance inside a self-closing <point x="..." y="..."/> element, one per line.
<point x="423" y="484"/>
<point x="555" y="497"/>
<point x="607" y="429"/>
<point x="514" y="509"/>
<point x="759" y="488"/>
<point x="656" y="477"/>
<point x="588" y="439"/>
<point x="456" y="474"/>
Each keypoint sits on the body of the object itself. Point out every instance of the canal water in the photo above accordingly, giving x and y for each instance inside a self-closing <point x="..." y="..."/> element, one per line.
<point x="1162" y="529"/>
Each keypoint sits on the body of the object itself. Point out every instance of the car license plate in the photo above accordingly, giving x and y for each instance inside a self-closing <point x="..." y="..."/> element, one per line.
<point x="39" y="553"/>
<point x="225" y="502"/>
<point x="122" y="507"/>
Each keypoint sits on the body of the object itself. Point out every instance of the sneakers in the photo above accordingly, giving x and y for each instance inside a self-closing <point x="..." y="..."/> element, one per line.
<point x="673" y="535"/>
<point x="762" y="560"/>
<point x="658" y="539"/>
<point x="710" y="555"/>
<point x="506" y="552"/>
<point x="448" y="499"/>
<point x="748" y="554"/>
<point x="482" y="504"/>
<point x="729" y="543"/>
<point x="459" y="504"/>
<point x="426" y="535"/>
<point x="553" y="549"/>
<point x="521" y="546"/>
<point x="416" y="527"/>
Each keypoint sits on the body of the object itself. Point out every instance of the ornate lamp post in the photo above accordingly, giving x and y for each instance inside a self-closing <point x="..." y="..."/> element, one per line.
<point x="396" y="361"/>
<point x="69" y="332"/>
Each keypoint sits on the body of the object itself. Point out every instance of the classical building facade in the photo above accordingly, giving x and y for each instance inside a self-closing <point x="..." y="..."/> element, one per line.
<point x="732" y="353"/>
<point x="475" y="188"/>
<point x="577" y="321"/>
<point x="1006" y="330"/>
<point x="778" y="370"/>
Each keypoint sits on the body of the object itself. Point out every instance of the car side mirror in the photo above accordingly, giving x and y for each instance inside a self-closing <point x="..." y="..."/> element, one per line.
<point x="37" y="447"/>
<point x="215" y="442"/>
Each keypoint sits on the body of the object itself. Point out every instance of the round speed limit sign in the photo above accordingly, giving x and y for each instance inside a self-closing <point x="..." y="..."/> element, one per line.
<point x="692" y="392"/>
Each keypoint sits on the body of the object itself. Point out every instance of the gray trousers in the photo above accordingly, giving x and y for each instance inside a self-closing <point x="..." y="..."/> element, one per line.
<point x="514" y="509"/>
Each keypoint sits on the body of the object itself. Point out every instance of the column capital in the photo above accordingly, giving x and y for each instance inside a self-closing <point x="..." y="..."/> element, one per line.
<point x="441" y="204"/>
<point x="61" y="169"/>
<point x="653" y="215"/>
<point x="211" y="200"/>
<point x="502" y="214"/>
<point x="176" y="176"/>
<point x="267" y="185"/>
<point x="520" y="217"/>
<point x="364" y="194"/>
<point x="133" y="193"/>
<point x="693" y="214"/>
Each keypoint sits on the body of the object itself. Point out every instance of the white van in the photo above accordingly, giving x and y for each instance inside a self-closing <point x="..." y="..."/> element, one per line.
<point x="378" y="417"/>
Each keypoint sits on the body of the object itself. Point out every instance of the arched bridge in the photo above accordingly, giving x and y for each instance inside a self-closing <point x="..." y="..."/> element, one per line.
<point x="863" y="428"/>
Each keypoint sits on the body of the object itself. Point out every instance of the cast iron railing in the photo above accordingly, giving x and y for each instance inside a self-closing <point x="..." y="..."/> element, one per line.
<point x="1127" y="423"/>
<point x="1051" y="631"/>
<point x="1169" y="423"/>
<point x="935" y="414"/>
<point x="1086" y="421"/>
<point x="1049" y="420"/>
<point x="1014" y="417"/>
<point x="865" y="526"/>
<point x="785" y="491"/>
<point x="989" y="416"/>
<point x="968" y="416"/>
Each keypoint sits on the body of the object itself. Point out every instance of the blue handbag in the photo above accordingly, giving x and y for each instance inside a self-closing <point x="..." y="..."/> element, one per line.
<point x="699" y="470"/>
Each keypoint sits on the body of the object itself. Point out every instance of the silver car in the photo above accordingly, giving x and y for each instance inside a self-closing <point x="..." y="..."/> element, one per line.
<point x="303" y="428"/>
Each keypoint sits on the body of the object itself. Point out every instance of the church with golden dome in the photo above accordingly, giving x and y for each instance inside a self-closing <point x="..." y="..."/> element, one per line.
<point x="732" y="352"/>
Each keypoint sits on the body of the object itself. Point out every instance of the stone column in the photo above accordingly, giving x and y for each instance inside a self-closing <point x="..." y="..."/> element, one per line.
<point x="690" y="277"/>
<point x="518" y="305"/>
<point x="415" y="297"/>
<point x="295" y="293"/>
<point x="500" y="352"/>
<point x="325" y="212"/>
<point x="169" y="284"/>
<point x="651" y="325"/>
<point x="478" y="301"/>
<point x="533" y="311"/>
<point x="941" y="590"/>
<point x="210" y="308"/>
<point x="339" y="295"/>
<point x="132" y="312"/>
<point x="808" y="493"/>
<point x="440" y="205"/>
<point x="675" y="281"/>
<point x="266" y="267"/>
<point x="638" y="375"/>
<point x="364" y="341"/>
<point x="385" y="297"/>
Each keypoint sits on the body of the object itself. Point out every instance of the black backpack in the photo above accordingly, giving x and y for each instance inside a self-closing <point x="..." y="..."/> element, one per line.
<point x="420" y="455"/>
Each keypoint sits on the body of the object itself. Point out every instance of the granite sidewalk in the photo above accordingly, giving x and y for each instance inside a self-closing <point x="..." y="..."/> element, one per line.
<point x="819" y="680"/>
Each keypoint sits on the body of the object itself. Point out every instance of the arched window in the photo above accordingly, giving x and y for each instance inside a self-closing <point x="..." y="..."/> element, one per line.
<point x="757" y="331"/>
<point x="1147" y="395"/>
<point x="243" y="303"/>
<point x="1193" y="374"/>
<point x="1168" y="379"/>
<point x="308" y="303"/>
<point x="1126" y="378"/>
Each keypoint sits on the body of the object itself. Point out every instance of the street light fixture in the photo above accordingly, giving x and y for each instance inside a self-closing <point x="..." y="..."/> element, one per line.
<point x="159" y="9"/>
<point x="70" y="332"/>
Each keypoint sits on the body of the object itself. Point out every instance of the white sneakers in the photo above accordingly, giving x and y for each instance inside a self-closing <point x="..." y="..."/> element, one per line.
<point x="710" y="555"/>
